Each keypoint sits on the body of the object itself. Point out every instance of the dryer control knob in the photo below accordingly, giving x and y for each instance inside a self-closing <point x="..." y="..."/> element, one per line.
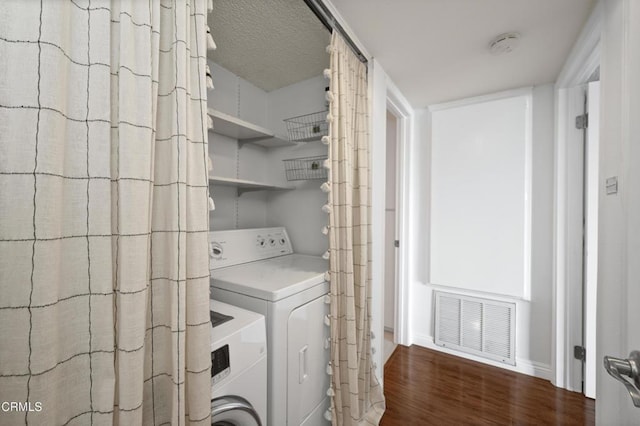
<point x="215" y="251"/>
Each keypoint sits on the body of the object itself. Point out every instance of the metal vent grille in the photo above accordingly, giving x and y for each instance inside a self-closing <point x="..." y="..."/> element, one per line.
<point x="477" y="326"/>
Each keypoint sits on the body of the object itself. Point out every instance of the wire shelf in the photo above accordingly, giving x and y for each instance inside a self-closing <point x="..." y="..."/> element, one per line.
<point x="308" y="127"/>
<point x="305" y="168"/>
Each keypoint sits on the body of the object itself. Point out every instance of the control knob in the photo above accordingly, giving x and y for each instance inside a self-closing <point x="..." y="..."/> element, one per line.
<point x="215" y="250"/>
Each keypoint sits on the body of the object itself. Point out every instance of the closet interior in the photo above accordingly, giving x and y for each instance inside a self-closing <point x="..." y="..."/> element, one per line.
<point x="268" y="110"/>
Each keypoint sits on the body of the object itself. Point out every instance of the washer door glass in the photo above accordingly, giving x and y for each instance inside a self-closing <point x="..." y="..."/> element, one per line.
<point x="233" y="410"/>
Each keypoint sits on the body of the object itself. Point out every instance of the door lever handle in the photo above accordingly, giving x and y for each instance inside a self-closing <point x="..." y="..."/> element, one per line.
<point x="629" y="367"/>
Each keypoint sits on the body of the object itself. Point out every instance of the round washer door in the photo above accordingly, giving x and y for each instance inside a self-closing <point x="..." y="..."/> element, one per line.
<point x="233" y="410"/>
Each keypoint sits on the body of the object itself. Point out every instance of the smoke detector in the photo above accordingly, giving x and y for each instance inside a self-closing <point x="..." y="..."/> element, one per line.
<point x="504" y="43"/>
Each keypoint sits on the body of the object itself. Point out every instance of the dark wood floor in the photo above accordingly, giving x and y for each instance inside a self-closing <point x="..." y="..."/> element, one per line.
<point x="426" y="387"/>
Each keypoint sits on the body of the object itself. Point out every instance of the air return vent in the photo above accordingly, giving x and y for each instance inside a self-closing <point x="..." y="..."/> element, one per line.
<point x="481" y="327"/>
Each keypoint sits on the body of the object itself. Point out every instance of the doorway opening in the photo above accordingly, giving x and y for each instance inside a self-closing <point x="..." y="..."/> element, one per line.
<point x="391" y="235"/>
<point x="583" y="104"/>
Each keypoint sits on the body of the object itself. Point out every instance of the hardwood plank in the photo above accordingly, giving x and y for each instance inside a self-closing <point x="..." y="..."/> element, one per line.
<point x="426" y="387"/>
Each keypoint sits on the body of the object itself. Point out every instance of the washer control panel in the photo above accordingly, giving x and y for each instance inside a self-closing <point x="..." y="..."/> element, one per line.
<point x="228" y="248"/>
<point x="220" y="364"/>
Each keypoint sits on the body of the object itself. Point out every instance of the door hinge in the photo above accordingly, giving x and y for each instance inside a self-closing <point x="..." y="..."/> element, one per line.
<point x="579" y="353"/>
<point x="396" y="243"/>
<point x="582" y="121"/>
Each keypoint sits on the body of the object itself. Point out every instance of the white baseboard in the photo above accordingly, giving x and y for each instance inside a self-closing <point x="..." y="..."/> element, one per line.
<point x="524" y="366"/>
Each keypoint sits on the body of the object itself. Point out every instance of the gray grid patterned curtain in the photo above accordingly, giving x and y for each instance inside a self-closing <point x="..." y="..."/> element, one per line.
<point x="358" y="398"/>
<point x="104" y="278"/>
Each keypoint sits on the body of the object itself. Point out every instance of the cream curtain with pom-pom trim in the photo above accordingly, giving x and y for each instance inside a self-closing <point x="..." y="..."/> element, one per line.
<point x="357" y="394"/>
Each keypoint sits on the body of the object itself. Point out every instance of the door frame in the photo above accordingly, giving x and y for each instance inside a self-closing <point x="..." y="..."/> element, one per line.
<point x="592" y="179"/>
<point x="383" y="91"/>
<point x="388" y="241"/>
<point x="403" y="113"/>
<point x="582" y="62"/>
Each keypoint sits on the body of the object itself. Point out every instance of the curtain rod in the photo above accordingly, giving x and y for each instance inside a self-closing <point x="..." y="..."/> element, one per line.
<point x="330" y="22"/>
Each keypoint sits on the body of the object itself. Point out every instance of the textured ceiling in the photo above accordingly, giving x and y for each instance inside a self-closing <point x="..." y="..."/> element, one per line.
<point x="437" y="50"/>
<point x="271" y="43"/>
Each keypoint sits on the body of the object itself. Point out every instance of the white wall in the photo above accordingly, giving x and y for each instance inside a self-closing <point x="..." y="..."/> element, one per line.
<point x="301" y="98"/>
<point x="421" y="295"/>
<point x="541" y="306"/>
<point x="237" y="97"/>
<point x="481" y="192"/>
<point x="246" y="162"/>
<point x="533" y="338"/>
<point x="298" y="210"/>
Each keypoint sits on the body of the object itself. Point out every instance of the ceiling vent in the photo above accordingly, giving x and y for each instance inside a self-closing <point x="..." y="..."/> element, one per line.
<point x="504" y="43"/>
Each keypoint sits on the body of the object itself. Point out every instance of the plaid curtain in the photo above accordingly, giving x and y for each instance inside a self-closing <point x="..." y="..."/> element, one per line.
<point x="104" y="278"/>
<point x="358" y="397"/>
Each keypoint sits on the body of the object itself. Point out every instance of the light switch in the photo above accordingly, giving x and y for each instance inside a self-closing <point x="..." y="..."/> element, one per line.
<point x="611" y="185"/>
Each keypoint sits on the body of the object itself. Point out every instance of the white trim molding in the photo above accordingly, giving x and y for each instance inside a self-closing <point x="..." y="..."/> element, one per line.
<point x="585" y="55"/>
<point x="523" y="366"/>
<point x="522" y="91"/>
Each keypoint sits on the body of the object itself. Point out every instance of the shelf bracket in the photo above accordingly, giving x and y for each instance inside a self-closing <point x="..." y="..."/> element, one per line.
<point x="242" y="142"/>
<point x="243" y="190"/>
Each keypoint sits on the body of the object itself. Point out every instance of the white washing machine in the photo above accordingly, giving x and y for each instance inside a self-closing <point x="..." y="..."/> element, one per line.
<point x="238" y="366"/>
<point x="257" y="270"/>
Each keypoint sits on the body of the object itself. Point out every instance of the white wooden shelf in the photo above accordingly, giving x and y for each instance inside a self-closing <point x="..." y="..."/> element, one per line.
<point x="244" y="131"/>
<point x="246" y="185"/>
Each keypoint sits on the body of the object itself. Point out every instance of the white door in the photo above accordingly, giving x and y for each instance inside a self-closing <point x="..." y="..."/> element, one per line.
<point x="307" y="360"/>
<point x="619" y="234"/>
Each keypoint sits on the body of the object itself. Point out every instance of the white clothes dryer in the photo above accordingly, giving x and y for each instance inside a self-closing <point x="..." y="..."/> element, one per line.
<point x="257" y="270"/>
<point x="238" y="366"/>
